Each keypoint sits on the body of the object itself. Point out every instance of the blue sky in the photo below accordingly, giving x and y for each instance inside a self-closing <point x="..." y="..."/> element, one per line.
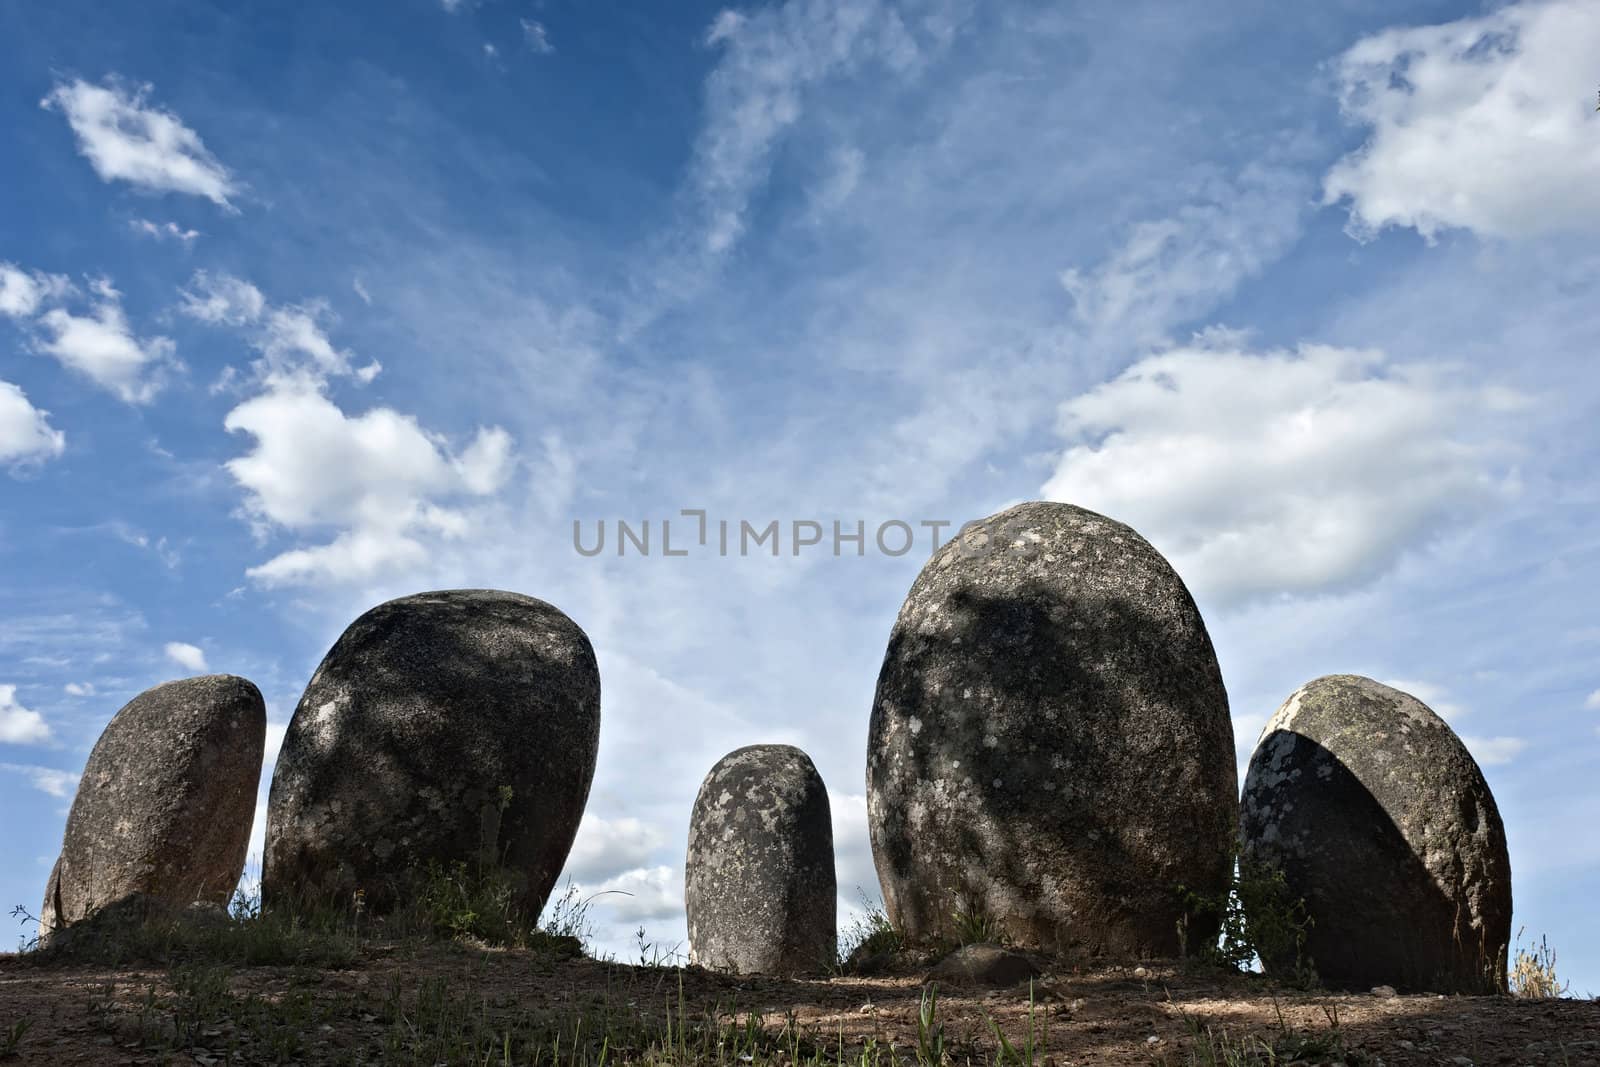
<point x="308" y="307"/>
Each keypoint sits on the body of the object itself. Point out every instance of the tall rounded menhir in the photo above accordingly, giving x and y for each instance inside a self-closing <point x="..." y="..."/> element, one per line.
<point x="1382" y="824"/>
<point x="759" y="879"/>
<point x="1050" y="744"/>
<point x="455" y="725"/>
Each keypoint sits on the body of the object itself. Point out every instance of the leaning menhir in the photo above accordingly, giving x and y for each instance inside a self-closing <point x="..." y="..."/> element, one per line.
<point x="1381" y="821"/>
<point x="445" y="726"/>
<point x="759" y="879"/>
<point x="164" y="807"/>
<point x="1050" y="745"/>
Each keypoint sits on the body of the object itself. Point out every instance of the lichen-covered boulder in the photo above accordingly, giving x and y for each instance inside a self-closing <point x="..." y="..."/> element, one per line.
<point x="459" y="725"/>
<point x="164" y="807"/>
<point x="1050" y="749"/>
<point x="759" y="879"/>
<point x="1381" y="821"/>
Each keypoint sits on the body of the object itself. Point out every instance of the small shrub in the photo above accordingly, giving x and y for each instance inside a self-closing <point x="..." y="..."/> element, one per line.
<point x="461" y="900"/>
<point x="1260" y="920"/>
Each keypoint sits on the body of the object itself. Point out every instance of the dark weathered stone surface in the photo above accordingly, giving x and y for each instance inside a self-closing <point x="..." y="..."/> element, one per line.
<point x="984" y="965"/>
<point x="759" y="878"/>
<point x="1050" y="740"/>
<point x="164" y="807"/>
<point x="423" y="711"/>
<point x="1381" y="820"/>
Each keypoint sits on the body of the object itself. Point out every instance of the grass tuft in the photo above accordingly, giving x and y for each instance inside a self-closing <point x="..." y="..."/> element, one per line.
<point x="1533" y="973"/>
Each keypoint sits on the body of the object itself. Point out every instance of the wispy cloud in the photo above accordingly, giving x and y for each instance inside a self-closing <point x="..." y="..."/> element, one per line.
<point x="159" y="547"/>
<point x="163" y="231"/>
<point x="758" y="91"/>
<point x="291" y="338"/>
<point x="537" y="37"/>
<point x="1175" y="267"/>
<point x="1435" y="696"/>
<point x="125" y="138"/>
<point x="45" y="779"/>
<point x="1494" y="751"/>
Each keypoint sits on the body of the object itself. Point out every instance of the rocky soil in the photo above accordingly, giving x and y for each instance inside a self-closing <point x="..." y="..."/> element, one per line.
<point x="448" y="1003"/>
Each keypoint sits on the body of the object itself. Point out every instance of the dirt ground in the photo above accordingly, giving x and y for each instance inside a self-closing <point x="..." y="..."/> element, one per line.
<point x="383" y="1008"/>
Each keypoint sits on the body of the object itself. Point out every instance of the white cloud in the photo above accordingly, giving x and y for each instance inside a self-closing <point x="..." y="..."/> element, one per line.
<point x="276" y="729"/>
<point x="20" y="725"/>
<point x="146" y="146"/>
<point x="101" y="346"/>
<point x="852" y="847"/>
<point x="1494" y="751"/>
<point x="79" y="689"/>
<point x="22" y="292"/>
<point x="163" y="231"/>
<point x="376" y="478"/>
<point x="538" y="39"/>
<point x="46" y="779"/>
<point x="26" y="435"/>
<point x="1486" y="123"/>
<point x="1279" y="473"/>
<point x="641" y="895"/>
<point x="1593" y="702"/>
<point x="189" y="657"/>
<point x="605" y="848"/>
<point x="361" y="291"/>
